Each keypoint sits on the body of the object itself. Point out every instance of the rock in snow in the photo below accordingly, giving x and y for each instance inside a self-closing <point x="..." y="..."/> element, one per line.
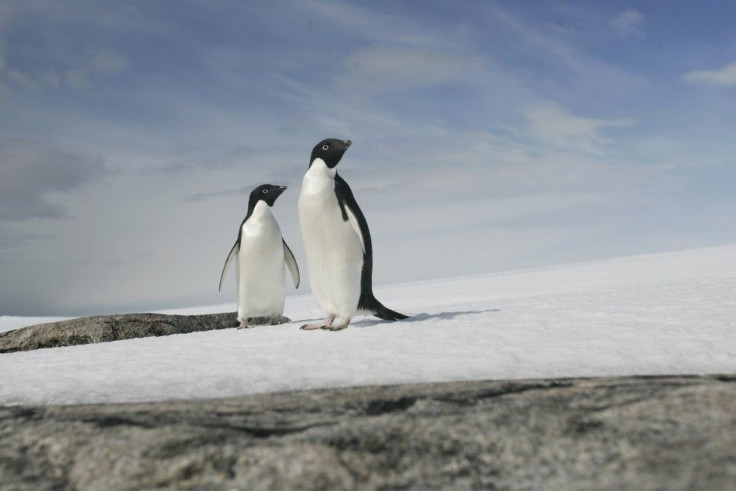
<point x="103" y="328"/>
<point x="616" y="433"/>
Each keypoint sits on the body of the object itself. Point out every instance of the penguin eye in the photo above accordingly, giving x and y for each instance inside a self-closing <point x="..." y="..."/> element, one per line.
<point x="325" y="147"/>
<point x="265" y="191"/>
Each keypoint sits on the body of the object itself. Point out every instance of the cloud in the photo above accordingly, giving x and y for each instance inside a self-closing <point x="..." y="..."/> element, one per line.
<point x="376" y="26"/>
<point x="550" y="123"/>
<point x="267" y="160"/>
<point x="389" y="68"/>
<point x="32" y="170"/>
<point x="3" y="53"/>
<point x="78" y="71"/>
<point x="628" y="23"/>
<point x="10" y="238"/>
<point x="218" y="194"/>
<point x="564" y="59"/>
<point x="723" y="77"/>
<point x="108" y="62"/>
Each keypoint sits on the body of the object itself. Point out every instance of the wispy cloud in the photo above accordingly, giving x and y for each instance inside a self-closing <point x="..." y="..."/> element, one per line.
<point x="80" y="72"/>
<point x="552" y="124"/>
<point x="628" y="23"/>
<point x="40" y="61"/>
<point x="218" y="194"/>
<point x="32" y="170"/>
<point x="381" y="26"/>
<point x="565" y="60"/>
<point x="243" y="156"/>
<point x="392" y="68"/>
<point x="721" y="77"/>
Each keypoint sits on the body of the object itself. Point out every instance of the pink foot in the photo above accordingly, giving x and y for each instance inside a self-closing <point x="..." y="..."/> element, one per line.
<point x="320" y="325"/>
<point x="337" y="327"/>
<point x="313" y="327"/>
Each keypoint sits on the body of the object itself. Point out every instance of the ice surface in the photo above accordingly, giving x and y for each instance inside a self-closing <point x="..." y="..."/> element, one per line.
<point x="670" y="313"/>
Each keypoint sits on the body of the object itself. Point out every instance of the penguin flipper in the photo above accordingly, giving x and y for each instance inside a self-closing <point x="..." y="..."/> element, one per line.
<point x="291" y="264"/>
<point x="353" y="220"/>
<point x="230" y="257"/>
<point x="352" y="213"/>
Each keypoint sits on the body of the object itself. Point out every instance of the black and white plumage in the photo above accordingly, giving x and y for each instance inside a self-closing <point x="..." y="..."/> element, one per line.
<point x="337" y="242"/>
<point x="261" y="253"/>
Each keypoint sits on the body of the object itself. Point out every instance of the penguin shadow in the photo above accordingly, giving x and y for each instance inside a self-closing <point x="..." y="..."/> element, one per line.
<point x="423" y="317"/>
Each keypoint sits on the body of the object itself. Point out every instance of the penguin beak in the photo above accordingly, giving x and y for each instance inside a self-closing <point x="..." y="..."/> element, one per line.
<point x="347" y="143"/>
<point x="283" y="188"/>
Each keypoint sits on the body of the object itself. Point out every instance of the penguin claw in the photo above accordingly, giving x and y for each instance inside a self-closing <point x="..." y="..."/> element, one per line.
<point x="333" y="328"/>
<point x="336" y="327"/>
<point x="327" y="324"/>
<point x="312" y="327"/>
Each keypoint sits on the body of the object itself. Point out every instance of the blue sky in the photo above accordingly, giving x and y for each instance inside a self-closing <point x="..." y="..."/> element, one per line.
<point x="487" y="136"/>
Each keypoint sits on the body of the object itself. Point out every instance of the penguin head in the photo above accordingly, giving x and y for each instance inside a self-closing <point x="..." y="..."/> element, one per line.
<point x="330" y="151"/>
<point x="267" y="193"/>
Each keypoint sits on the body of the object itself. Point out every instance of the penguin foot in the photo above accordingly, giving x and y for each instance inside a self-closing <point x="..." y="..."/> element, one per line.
<point x="320" y="325"/>
<point x="243" y="325"/>
<point x="312" y="327"/>
<point x="336" y="327"/>
<point x="274" y="321"/>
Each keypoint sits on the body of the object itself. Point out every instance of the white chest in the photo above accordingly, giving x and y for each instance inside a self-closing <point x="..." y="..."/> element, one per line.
<point x="334" y="250"/>
<point x="319" y="211"/>
<point x="261" y="285"/>
<point x="261" y="228"/>
<point x="261" y="248"/>
<point x="318" y="187"/>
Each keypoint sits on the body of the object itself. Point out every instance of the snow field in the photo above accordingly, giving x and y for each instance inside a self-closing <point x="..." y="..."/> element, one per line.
<point x="670" y="313"/>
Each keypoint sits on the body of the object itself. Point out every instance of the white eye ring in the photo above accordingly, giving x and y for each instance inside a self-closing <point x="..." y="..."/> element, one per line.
<point x="325" y="147"/>
<point x="265" y="191"/>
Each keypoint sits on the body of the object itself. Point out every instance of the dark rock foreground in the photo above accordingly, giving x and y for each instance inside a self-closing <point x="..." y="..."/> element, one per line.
<point x="104" y="328"/>
<point x="615" y="433"/>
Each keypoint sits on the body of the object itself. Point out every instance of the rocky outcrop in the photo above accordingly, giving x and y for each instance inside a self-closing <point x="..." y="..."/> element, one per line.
<point x="618" y="433"/>
<point x="100" y="329"/>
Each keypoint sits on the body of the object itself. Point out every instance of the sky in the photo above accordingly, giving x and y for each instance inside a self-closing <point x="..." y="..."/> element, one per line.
<point x="487" y="136"/>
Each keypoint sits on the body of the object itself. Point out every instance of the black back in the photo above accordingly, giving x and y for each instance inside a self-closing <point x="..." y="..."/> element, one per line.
<point x="345" y="198"/>
<point x="367" y="300"/>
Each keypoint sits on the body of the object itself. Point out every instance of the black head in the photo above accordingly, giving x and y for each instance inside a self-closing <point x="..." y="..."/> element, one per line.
<point x="265" y="192"/>
<point x="329" y="150"/>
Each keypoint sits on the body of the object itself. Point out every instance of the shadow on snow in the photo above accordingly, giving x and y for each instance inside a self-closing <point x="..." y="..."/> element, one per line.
<point x="424" y="317"/>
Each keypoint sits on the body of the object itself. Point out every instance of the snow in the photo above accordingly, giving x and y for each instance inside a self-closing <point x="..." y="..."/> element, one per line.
<point x="670" y="313"/>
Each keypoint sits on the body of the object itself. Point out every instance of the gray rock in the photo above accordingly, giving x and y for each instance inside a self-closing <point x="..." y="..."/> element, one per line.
<point x="616" y="433"/>
<point x="100" y="329"/>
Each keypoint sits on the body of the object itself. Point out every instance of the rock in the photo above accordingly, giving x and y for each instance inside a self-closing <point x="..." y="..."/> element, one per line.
<point x="615" y="433"/>
<point x="100" y="329"/>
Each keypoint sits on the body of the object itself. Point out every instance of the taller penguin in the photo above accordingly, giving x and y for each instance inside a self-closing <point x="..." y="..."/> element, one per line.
<point x="337" y="242"/>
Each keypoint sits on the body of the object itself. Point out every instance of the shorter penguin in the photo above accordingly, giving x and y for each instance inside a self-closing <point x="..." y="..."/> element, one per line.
<point x="261" y="252"/>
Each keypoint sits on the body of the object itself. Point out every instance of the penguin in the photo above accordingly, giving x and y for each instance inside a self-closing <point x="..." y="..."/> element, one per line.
<point x="260" y="253"/>
<point x="337" y="241"/>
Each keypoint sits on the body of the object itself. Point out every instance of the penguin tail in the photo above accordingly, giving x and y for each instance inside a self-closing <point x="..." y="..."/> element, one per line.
<point x="376" y="308"/>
